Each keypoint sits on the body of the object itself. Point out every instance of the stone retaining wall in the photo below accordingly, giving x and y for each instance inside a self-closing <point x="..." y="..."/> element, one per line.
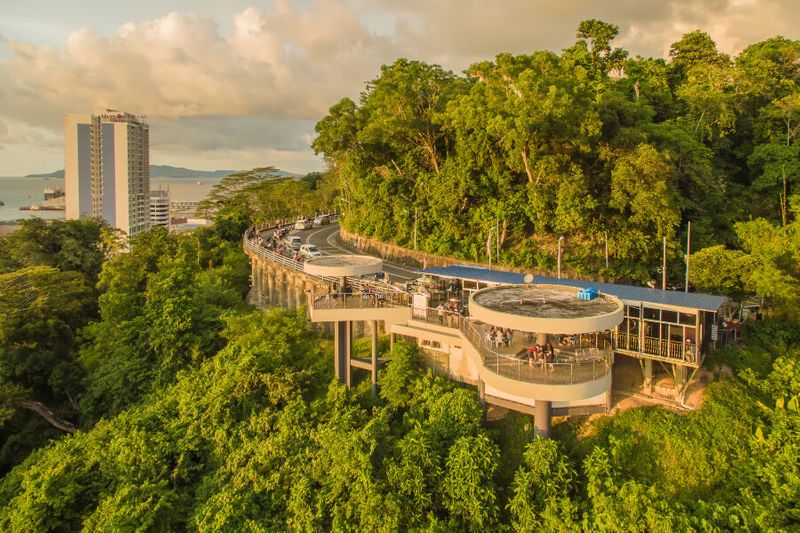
<point x="414" y="259"/>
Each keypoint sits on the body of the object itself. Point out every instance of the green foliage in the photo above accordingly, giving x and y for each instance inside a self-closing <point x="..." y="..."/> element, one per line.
<point x="161" y="311"/>
<point x="260" y="195"/>
<point x="545" y="145"/>
<point x="542" y="490"/>
<point x="71" y="245"/>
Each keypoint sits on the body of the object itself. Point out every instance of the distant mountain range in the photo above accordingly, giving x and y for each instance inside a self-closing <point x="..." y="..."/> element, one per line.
<point x="166" y="171"/>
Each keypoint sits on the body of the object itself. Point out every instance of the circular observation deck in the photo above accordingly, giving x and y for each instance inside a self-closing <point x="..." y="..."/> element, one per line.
<point x="551" y="309"/>
<point x="343" y="265"/>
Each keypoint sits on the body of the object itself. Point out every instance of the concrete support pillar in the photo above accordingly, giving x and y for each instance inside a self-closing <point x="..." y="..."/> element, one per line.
<point x="298" y="294"/>
<point x="542" y="418"/>
<point x="542" y="338"/>
<point x="262" y="289"/>
<point x="280" y="289"/>
<point x="648" y="376"/>
<point x="482" y="392"/>
<point x="391" y="341"/>
<point x="253" y="278"/>
<point x="342" y="351"/>
<point x="374" y="362"/>
<point x="681" y="378"/>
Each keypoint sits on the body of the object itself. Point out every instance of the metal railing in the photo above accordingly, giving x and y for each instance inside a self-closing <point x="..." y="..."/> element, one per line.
<point x="664" y="348"/>
<point x="586" y="364"/>
<point x="589" y="364"/>
<point x="438" y="317"/>
<point x="371" y="300"/>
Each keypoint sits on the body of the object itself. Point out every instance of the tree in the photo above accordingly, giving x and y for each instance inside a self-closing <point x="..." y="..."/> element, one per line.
<point x="694" y="49"/>
<point x="642" y="190"/>
<point x="467" y="488"/>
<point x="542" y="489"/>
<point x="778" y="167"/>
<point x="595" y="37"/>
<point x="71" y="245"/>
<point x="41" y="310"/>
<point x="717" y="270"/>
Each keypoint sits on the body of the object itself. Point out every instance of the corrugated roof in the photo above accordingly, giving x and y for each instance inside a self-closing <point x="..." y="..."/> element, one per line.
<point x="691" y="300"/>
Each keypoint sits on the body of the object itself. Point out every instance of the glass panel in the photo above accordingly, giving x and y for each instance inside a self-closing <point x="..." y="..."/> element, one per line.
<point x="651" y="329"/>
<point x="633" y="310"/>
<point x="688" y="319"/>
<point x="690" y="335"/>
<point x="652" y="314"/>
<point x="665" y="331"/>
<point x="676" y="333"/>
<point x="669" y="316"/>
<point x="623" y="326"/>
<point x="633" y="327"/>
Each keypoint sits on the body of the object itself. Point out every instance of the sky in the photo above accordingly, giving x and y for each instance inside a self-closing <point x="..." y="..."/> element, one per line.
<point x="239" y="84"/>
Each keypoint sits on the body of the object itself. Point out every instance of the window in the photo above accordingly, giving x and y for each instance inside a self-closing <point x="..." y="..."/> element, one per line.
<point x="688" y="319"/>
<point x="633" y="310"/>
<point x="669" y="316"/>
<point x="652" y="314"/>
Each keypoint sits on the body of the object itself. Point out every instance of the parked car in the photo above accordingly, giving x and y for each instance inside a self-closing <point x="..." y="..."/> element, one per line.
<point x="303" y="223"/>
<point x="294" y="242"/>
<point x="310" y="251"/>
<point x="321" y="220"/>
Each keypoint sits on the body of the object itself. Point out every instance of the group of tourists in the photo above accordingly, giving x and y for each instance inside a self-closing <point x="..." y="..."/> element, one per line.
<point x="449" y="312"/>
<point x="332" y="297"/>
<point x="499" y="337"/>
<point x="544" y="355"/>
<point x="376" y="299"/>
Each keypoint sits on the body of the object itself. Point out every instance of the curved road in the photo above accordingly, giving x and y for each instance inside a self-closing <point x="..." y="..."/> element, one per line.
<point x="326" y="238"/>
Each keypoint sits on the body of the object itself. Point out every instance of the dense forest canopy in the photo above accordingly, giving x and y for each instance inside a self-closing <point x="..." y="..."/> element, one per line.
<point x="586" y="144"/>
<point x="184" y="408"/>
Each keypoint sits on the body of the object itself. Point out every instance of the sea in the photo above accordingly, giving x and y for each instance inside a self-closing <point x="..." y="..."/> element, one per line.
<point x="16" y="192"/>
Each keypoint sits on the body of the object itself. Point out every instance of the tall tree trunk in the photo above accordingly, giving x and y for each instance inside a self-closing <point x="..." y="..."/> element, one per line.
<point x="432" y="154"/>
<point x="784" y="197"/>
<point x="48" y="414"/>
<point x="524" y="152"/>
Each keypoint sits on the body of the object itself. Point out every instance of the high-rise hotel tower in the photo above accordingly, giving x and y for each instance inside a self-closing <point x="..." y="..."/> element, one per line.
<point x="107" y="169"/>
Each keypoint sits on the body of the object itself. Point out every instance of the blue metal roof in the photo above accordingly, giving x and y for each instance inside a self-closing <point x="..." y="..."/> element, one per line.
<point x="628" y="293"/>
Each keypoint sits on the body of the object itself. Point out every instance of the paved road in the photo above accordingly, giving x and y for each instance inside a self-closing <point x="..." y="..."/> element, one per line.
<point x="326" y="239"/>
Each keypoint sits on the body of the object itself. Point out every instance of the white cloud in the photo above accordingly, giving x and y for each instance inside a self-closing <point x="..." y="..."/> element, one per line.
<point x="260" y="86"/>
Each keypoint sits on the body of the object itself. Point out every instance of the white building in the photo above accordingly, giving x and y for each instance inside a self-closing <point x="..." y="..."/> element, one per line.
<point x="107" y="169"/>
<point x="159" y="208"/>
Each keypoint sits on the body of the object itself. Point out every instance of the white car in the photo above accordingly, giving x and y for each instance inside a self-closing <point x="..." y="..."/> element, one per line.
<point x="303" y="223"/>
<point x="294" y="242"/>
<point x="310" y="251"/>
<point x="321" y="220"/>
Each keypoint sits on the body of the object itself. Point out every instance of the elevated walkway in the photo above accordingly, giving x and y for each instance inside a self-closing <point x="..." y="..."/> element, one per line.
<point x="583" y="382"/>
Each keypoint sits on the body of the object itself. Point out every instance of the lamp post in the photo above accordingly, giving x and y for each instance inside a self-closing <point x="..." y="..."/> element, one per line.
<point x="489" y="247"/>
<point x="688" y="253"/>
<point x="415" y="229"/>
<point x="560" y="240"/>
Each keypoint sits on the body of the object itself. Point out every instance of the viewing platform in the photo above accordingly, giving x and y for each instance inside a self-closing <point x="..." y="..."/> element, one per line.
<point x="534" y="344"/>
